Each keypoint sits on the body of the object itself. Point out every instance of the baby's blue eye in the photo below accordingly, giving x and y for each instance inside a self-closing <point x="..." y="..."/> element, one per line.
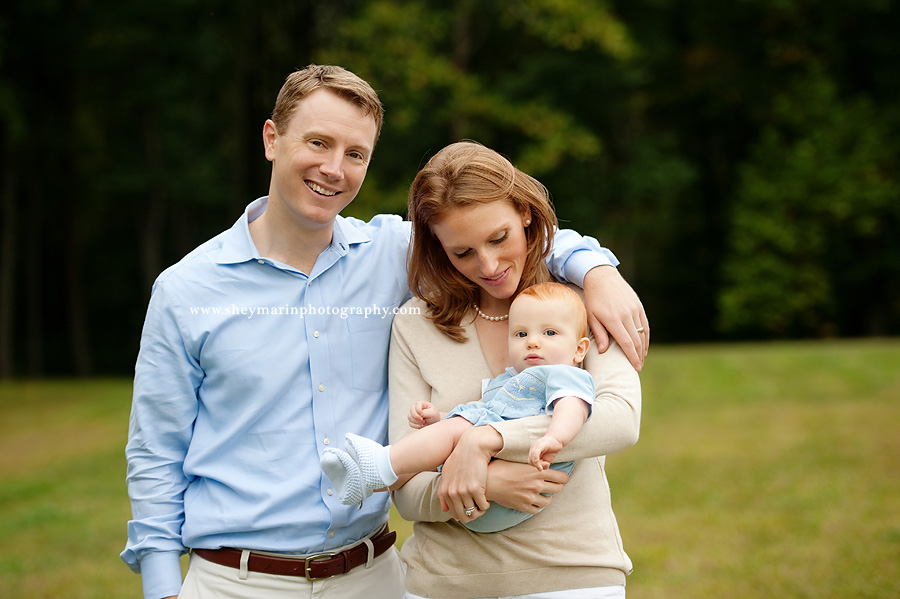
<point x="521" y="334"/>
<point x="550" y="333"/>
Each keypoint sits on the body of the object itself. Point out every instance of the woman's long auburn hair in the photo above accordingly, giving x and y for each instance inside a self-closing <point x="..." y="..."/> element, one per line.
<point x="465" y="174"/>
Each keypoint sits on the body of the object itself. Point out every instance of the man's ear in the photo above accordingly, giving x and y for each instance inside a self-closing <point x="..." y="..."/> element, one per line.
<point x="581" y="349"/>
<point x="270" y="135"/>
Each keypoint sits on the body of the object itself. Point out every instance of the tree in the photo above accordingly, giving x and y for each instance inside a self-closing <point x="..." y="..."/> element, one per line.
<point x="816" y="220"/>
<point x="472" y="70"/>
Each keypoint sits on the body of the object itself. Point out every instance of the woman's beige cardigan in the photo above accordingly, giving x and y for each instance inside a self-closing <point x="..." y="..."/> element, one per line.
<point x="573" y="543"/>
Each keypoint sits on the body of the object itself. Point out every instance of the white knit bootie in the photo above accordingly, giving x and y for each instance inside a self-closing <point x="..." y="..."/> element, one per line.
<point x="357" y="472"/>
<point x="373" y="459"/>
<point x="344" y="474"/>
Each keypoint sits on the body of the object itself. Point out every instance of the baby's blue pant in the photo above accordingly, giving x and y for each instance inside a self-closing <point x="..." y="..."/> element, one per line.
<point x="499" y="517"/>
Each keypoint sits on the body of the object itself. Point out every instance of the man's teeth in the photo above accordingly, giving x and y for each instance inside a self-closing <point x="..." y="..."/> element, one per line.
<point x="320" y="190"/>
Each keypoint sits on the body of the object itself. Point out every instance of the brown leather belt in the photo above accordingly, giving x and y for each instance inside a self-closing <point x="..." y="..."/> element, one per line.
<point x="320" y="565"/>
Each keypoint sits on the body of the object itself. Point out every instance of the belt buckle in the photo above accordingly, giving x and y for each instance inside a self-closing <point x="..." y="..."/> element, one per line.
<point x="317" y="556"/>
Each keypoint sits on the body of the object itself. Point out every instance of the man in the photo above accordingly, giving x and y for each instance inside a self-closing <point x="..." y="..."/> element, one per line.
<point x="267" y="344"/>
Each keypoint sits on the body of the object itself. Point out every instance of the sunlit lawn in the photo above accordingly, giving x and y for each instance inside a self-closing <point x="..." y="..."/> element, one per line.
<point x="763" y="471"/>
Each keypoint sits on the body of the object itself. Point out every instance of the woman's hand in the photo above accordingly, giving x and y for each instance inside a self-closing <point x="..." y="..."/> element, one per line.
<point x="520" y="487"/>
<point x="615" y="309"/>
<point x="464" y="475"/>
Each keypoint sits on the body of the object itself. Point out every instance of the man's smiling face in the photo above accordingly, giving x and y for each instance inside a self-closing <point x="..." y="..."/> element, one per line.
<point x="320" y="161"/>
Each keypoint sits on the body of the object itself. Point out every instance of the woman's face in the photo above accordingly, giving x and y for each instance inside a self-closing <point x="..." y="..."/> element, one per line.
<point x="486" y="243"/>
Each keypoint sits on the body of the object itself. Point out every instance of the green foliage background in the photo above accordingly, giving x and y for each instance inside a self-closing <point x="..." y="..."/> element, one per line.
<point x="741" y="158"/>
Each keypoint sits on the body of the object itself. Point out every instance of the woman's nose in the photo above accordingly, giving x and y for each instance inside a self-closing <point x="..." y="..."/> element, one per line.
<point x="488" y="264"/>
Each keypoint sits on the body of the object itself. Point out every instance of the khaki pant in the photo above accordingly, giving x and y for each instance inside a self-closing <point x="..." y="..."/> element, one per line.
<point x="383" y="580"/>
<point x="612" y="592"/>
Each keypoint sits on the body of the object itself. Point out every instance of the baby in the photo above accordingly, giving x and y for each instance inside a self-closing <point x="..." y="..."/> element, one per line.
<point x="547" y="342"/>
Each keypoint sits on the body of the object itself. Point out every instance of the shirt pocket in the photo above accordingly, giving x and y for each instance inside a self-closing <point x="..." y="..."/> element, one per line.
<point x="370" y="336"/>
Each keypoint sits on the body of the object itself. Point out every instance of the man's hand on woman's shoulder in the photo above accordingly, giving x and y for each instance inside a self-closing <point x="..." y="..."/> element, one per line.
<point x="615" y="309"/>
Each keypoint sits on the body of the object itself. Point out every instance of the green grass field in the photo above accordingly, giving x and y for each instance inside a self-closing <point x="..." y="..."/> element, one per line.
<point x="765" y="470"/>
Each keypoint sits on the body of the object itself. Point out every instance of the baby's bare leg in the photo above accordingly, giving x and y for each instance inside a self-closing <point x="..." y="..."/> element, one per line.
<point x="368" y="466"/>
<point x="427" y="448"/>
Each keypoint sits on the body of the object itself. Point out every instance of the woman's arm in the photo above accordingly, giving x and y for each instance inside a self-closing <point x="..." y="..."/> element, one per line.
<point x="517" y="486"/>
<point x="614" y="423"/>
<point x="418" y="499"/>
<point x="472" y="479"/>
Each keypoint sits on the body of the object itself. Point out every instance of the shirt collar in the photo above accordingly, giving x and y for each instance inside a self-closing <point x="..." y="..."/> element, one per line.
<point x="238" y="246"/>
<point x="345" y="235"/>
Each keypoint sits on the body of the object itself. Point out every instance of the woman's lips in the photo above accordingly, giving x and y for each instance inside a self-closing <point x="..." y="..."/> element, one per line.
<point x="499" y="280"/>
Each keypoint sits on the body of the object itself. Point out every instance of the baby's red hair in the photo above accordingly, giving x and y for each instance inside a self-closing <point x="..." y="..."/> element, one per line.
<point x="558" y="291"/>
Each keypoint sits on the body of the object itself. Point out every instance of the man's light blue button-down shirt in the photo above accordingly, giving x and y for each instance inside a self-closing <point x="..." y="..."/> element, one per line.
<point x="248" y="369"/>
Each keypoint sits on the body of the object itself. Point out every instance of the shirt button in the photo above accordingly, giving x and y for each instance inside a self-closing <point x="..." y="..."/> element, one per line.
<point x="261" y="261"/>
<point x="316" y="334"/>
<point x="330" y="491"/>
<point x="331" y="534"/>
<point x="321" y="387"/>
<point x="326" y="441"/>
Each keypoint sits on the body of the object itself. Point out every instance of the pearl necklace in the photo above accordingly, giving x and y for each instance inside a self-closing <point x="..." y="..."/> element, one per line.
<point x="492" y="318"/>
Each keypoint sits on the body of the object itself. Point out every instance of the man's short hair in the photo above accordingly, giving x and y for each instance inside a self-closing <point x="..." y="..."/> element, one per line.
<point x="339" y="80"/>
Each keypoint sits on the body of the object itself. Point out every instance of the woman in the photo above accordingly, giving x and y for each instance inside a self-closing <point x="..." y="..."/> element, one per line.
<point x="480" y="233"/>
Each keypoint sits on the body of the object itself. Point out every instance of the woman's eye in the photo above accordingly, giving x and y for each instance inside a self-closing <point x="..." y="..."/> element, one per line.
<point x="499" y="239"/>
<point x="463" y="254"/>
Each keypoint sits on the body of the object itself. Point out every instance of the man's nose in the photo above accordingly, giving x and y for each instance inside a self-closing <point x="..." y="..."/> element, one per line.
<point x="333" y="166"/>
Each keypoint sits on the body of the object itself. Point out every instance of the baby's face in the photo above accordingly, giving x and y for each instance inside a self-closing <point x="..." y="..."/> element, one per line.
<point x="543" y="332"/>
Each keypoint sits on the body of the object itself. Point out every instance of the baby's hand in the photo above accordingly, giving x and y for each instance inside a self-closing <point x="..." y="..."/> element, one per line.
<point x="544" y="451"/>
<point x="422" y="414"/>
